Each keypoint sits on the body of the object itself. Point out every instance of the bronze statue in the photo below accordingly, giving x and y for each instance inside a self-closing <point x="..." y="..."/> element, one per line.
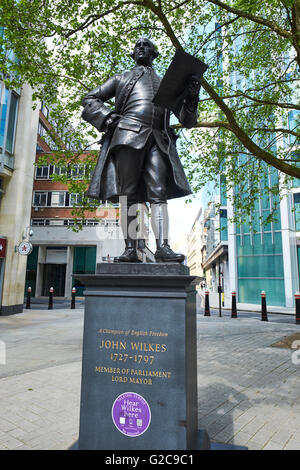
<point x="138" y="157"/>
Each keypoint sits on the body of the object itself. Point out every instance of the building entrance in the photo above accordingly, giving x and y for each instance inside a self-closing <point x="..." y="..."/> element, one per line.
<point x="54" y="276"/>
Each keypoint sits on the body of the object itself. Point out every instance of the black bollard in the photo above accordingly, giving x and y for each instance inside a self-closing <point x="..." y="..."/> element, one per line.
<point x="297" y="302"/>
<point x="233" y="305"/>
<point x="73" y="297"/>
<point x="50" y="304"/>
<point x="28" y="297"/>
<point x="206" y="308"/>
<point x="264" y="315"/>
<point x="220" y="296"/>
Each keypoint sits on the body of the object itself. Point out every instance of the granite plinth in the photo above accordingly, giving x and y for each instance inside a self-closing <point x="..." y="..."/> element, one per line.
<point x="140" y="340"/>
<point x="160" y="269"/>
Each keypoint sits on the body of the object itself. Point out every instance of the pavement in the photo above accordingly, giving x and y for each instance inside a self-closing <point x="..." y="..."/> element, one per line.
<point x="248" y="391"/>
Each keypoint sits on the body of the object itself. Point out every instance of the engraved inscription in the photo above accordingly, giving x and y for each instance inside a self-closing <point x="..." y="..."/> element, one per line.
<point x="121" y="351"/>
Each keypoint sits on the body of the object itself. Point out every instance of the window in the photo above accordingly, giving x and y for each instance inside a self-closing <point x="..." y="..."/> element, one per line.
<point x="42" y="131"/>
<point x="223" y="224"/>
<point x="46" y="135"/>
<point x="39" y="222"/>
<point x="75" y="199"/>
<point x="58" y="199"/>
<point x="297" y="211"/>
<point x="77" y="171"/>
<point x="11" y="122"/>
<point x="69" y="222"/>
<point x="45" y="171"/>
<point x="4" y="100"/>
<point x="45" y="110"/>
<point x="293" y="119"/>
<point x="8" y="118"/>
<point x="92" y="222"/>
<point x="56" y="222"/>
<point x="111" y="222"/>
<point x="40" y="199"/>
<point x="42" y="172"/>
<point x="60" y="170"/>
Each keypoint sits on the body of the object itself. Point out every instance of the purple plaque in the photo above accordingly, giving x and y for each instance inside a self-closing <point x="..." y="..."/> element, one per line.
<point x="131" y="414"/>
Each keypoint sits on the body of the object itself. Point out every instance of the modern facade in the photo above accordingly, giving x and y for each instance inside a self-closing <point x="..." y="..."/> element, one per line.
<point x="252" y="258"/>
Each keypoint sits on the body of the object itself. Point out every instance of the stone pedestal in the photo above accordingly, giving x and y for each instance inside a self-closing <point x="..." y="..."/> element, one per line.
<point x="139" y="372"/>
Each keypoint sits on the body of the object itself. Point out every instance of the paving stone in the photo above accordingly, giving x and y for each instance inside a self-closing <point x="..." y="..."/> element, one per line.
<point x="240" y="438"/>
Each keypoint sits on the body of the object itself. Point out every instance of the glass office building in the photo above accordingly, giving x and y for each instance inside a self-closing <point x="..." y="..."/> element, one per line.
<point x="254" y="257"/>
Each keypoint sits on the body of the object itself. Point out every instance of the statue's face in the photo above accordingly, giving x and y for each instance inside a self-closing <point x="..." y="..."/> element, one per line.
<point x="143" y="52"/>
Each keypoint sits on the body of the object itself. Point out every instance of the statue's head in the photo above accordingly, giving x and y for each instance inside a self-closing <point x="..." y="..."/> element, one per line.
<point x="144" y="52"/>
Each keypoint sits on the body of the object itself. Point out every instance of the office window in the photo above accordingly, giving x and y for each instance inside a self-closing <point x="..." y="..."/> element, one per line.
<point x="92" y="222"/>
<point x="46" y="135"/>
<point x="297" y="211"/>
<point x="42" y="131"/>
<point x="293" y="120"/>
<point x="223" y="225"/>
<point x="8" y="118"/>
<point x="69" y="222"/>
<point x="56" y="222"/>
<point x="111" y="222"/>
<point x="75" y="199"/>
<point x="42" y="172"/>
<point x="58" y="198"/>
<point x="11" y="127"/>
<point x="78" y="171"/>
<point x="40" y="199"/>
<point x="3" y="110"/>
<point x="45" y="110"/>
<point x="39" y="222"/>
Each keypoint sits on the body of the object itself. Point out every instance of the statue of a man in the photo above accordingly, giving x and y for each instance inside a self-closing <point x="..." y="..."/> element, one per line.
<point x="138" y="157"/>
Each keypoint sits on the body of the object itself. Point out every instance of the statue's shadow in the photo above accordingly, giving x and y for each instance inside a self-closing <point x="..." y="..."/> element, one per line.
<point x="216" y="414"/>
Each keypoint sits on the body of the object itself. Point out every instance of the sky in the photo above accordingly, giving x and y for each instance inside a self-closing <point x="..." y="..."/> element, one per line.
<point x="182" y="216"/>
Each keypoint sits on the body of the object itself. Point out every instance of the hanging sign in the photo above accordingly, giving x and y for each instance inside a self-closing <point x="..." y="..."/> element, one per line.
<point x="25" y="248"/>
<point x="2" y="247"/>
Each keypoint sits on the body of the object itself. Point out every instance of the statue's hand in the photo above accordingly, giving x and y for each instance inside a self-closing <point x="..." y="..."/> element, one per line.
<point x="111" y="121"/>
<point x="193" y="87"/>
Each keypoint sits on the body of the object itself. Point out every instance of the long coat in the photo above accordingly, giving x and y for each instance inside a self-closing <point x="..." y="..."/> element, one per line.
<point x="104" y="182"/>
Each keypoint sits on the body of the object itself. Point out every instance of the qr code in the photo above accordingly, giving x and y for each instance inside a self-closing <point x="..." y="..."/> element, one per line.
<point x="139" y="422"/>
<point x="122" y="420"/>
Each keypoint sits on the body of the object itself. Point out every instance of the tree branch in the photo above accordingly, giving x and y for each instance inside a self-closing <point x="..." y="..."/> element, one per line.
<point x="256" y="19"/>
<point x="92" y="18"/>
<point x="282" y="130"/>
<point x="261" y="101"/>
<point x="234" y="127"/>
<point x="205" y="124"/>
<point x="214" y="32"/>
